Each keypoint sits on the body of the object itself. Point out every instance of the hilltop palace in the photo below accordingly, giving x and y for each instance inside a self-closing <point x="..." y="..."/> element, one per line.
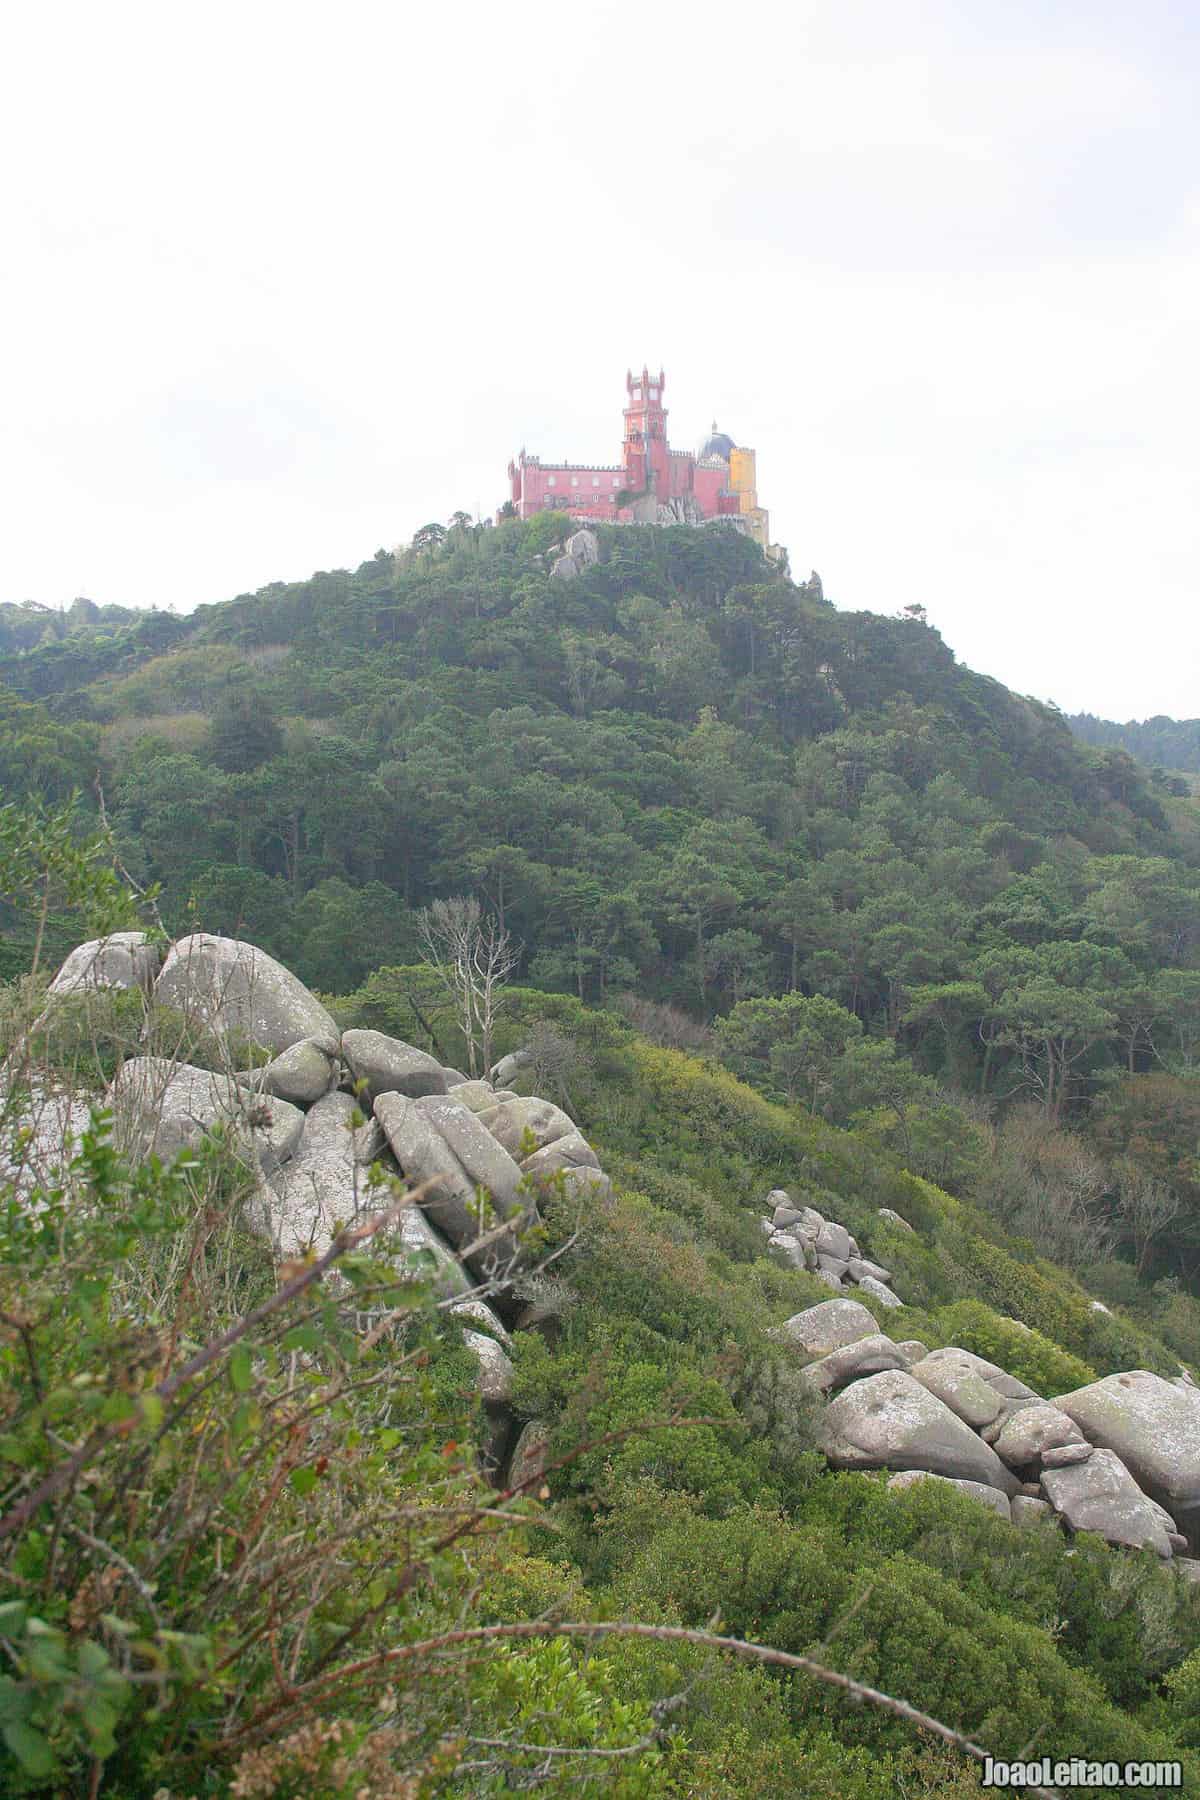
<point x="652" y="484"/>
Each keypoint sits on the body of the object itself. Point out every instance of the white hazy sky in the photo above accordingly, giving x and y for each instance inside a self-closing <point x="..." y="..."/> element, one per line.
<point x="282" y="282"/>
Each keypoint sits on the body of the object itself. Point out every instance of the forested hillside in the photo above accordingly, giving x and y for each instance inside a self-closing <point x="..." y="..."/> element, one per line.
<point x="679" y="776"/>
<point x="802" y="905"/>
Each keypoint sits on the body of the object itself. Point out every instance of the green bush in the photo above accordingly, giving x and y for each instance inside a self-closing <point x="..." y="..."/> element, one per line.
<point x="1028" y="1355"/>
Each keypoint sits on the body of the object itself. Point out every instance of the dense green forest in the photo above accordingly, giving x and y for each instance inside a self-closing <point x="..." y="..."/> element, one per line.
<point x="802" y="903"/>
<point x="680" y="777"/>
<point x="1169" y="744"/>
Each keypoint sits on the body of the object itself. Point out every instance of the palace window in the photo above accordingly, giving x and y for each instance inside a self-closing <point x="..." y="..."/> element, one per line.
<point x="551" y="480"/>
<point x="574" y="481"/>
<point x="637" y="396"/>
<point x="654" y="393"/>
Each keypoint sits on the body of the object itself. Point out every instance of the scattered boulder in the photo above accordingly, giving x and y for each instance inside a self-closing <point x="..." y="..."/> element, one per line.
<point x="425" y="1158"/>
<point x="300" y="1074"/>
<point x="427" y="1254"/>
<point x="39" y="1135"/>
<point x="508" y="1066"/>
<point x="232" y="987"/>
<point x="869" y="1356"/>
<point x="1101" y="1495"/>
<point x="572" y="1152"/>
<point x="959" y="1386"/>
<point x="495" y="1368"/>
<point x="1026" y="1435"/>
<point x="1006" y="1385"/>
<point x="860" y="1269"/>
<point x="830" y="1277"/>
<point x="832" y="1265"/>
<point x="790" y="1249"/>
<point x="546" y="1123"/>
<point x="528" y="1463"/>
<point x="891" y="1421"/>
<point x="390" y="1066"/>
<point x="165" y="1107"/>
<point x="893" y="1218"/>
<point x="784" y="1215"/>
<point x="912" y="1350"/>
<point x="869" y="1285"/>
<point x="124" y="959"/>
<point x="1028" y="1511"/>
<point x="1154" y="1427"/>
<point x="1065" y="1456"/>
<point x="833" y="1240"/>
<point x="593" y="1183"/>
<point x="485" y="1161"/>
<point x="1189" y="1568"/>
<point x="480" y="1096"/>
<point x="322" y="1186"/>
<point x="974" y="1490"/>
<point x="830" y="1325"/>
<point x="479" y="1310"/>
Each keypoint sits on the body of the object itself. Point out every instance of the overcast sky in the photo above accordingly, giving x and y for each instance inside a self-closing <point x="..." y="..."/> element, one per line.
<point x="283" y="282"/>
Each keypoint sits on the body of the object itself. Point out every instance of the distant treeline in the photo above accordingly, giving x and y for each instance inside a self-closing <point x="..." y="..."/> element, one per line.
<point x="1161" y="742"/>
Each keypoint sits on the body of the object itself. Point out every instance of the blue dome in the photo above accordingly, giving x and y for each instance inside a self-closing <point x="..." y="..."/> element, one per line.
<point x="718" y="444"/>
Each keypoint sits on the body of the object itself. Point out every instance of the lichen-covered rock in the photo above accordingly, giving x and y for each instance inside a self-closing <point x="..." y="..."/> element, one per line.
<point x="831" y="1265"/>
<point x="959" y="1386"/>
<point x="124" y="959"/>
<point x="1026" y="1435"/>
<point x="860" y="1268"/>
<point x="390" y="1066"/>
<point x="480" y="1313"/>
<point x="485" y="1161"/>
<point x="427" y="1255"/>
<point x="1028" y="1511"/>
<point x="528" y="1463"/>
<point x="833" y="1240"/>
<point x="912" y="1350"/>
<point x="830" y="1277"/>
<point x="1065" y="1456"/>
<point x="829" y="1325"/>
<point x="1154" y="1427"/>
<point x="1006" y="1385"/>
<point x="573" y="1152"/>
<point x="974" y="1490"/>
<point x="590" y="1184"/>
<point x="425" y="1158"/>
<point x="233" y="988"/>
<point x="164" y="1107"/>
<point x="891" y="1421"/>
<point x="893" y="1218"/>
<point x="784" y="1215"/>
<point x="477" y="1096"/>
<point x="301" y="1074"/>
<point x="869" y="1356"/>
<point x="791" y="1250"/>
<point x="502" y="1072"/>
<point x="869" y="1285"/>
<point x="495" y="1368"/>
<point x="545" y="1123"/>
<point x="1101" y="1495"/>
<point x="323" y="1184"/>
<point x="39" y="1135"/>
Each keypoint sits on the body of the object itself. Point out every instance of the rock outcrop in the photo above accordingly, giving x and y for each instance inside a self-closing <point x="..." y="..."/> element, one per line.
<point x="236" y="990"/>
<point x="808" y="1240"/>
<point x="477" y="1155"/>
<point x="890" y="1421"/>
<point x="124" y="959"/>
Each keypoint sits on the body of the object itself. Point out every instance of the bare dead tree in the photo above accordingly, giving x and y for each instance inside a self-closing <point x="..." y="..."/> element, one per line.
<point x="473" y="957"/>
